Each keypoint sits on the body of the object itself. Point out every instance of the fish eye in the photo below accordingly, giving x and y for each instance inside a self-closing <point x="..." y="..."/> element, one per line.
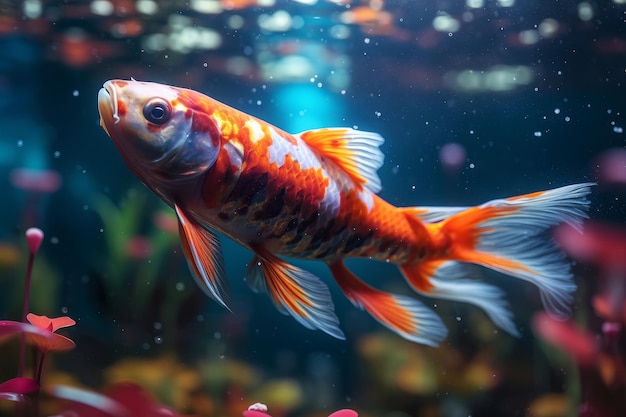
<point x="157" y="111"/>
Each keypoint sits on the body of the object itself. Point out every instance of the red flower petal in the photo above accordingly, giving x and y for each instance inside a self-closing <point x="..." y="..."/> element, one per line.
<point x="44" y="339"/>
<point x="346" y="412"/>
<point x="580" y="345"/>
<point x="255" y="413"/>
<point x="19" y="386"/>
<point x="607" y="309"/>
<point x="600" y="244"/>
<point x="50" y="341"/>
<point x="45" y="322"/>
<point x="9" y="328"/>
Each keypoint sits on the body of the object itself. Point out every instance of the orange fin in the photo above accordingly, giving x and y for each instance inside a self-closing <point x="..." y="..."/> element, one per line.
<point x="204" y="256"/>
<point x="294" y="291"/>
<point x="404" y="315"/>
<point x="354" y="152"/>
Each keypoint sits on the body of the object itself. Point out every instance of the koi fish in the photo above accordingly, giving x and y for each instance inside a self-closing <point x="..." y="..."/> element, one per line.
<point x="313" y="195"/>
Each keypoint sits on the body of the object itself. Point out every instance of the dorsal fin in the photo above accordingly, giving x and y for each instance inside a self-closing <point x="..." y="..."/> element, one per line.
<point x="353" y="151"/>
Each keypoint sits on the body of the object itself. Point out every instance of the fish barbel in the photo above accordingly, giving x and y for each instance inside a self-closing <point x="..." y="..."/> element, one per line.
<point x="312" y="195"/>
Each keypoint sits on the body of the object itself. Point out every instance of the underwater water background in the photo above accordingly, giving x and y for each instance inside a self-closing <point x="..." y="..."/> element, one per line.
<point x="476" y="100"/>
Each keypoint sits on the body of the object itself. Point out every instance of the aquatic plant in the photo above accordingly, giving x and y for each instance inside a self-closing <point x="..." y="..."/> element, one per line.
<point x="599" y="349"/>
<point x="141" y="249"/>
<point x="35" y="330"/>
<point x="122" y="395"/>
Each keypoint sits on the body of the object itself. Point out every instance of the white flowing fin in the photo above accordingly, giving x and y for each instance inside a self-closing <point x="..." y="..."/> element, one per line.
<point x="435" y="214"/>
<point x="450" y="281"/>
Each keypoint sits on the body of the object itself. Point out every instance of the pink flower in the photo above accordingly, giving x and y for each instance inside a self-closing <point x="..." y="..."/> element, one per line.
<point x="51" y="341"/>
<point x="40" y="332"/>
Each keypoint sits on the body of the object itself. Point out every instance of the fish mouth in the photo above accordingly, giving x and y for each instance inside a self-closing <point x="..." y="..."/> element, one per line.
<point x="107" y="105"/>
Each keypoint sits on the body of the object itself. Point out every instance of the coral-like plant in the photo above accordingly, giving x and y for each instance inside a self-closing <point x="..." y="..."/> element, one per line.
<point x="599" y="351"/>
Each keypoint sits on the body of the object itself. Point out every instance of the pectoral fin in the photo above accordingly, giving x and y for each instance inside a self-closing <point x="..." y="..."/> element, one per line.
<point x="204" y="256"/>
<point x="294" y="291"/>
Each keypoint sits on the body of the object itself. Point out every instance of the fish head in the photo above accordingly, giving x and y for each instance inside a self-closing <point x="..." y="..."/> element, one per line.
<point x="157" y="130"/>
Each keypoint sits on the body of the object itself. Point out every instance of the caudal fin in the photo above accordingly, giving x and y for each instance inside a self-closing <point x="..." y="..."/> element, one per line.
<point x="507" y="235"/>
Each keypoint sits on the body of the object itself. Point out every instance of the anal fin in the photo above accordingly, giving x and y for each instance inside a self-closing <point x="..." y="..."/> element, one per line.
<point x="404" y="315"/>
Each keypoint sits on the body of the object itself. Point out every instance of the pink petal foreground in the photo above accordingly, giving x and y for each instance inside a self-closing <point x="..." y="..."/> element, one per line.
<point x="44" y="339"/>
<point x="255" y="413"/>
<point x="600" y="244"/>
<point x="10" y="328"/>
<point x="580" y="345"/>
<point x="89" y="403"/>
<point x="19" y="386"/>
<point x="124" y="399"/>
<point x="346" y="412"/>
